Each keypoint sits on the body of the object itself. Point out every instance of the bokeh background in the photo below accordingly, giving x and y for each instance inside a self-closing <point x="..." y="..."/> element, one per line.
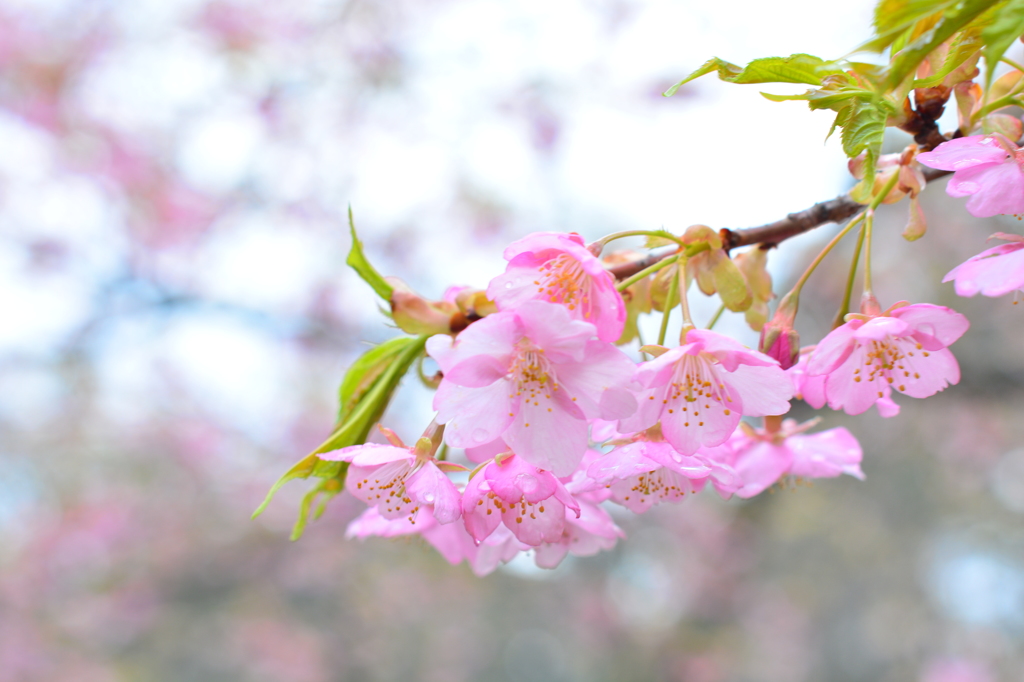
<point x="175" y="317"/>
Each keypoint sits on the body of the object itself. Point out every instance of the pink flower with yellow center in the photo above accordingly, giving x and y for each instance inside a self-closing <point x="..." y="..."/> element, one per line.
<point x="532" y="377"/>
<point x="558" y="268"/>
<point x="700" y="390"/>
<point x="903" y="348"/>
<point x="987" y="168"/>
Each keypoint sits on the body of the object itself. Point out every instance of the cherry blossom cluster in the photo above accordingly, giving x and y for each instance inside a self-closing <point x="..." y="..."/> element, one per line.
<point x="561" y="426"/>
<point x="560" y="422"/>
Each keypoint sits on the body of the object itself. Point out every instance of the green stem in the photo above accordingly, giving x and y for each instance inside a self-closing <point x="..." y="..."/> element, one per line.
<point x="629" y="281"/>
<point x="848" y="294"/>
<point x="638" y="233"/>
<point x="683" y="300"/>
<point x="824" y="252"/>
<point x="1012" y="63"/>
<point x="670" y="303"/>
<point x="1005" y="101"/>
<point x="716" y="316"/>
<point x="869" y="222"/>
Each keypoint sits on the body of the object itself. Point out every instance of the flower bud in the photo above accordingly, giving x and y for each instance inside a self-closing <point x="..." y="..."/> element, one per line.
<point x="779" y="339"/>
<point x="416" y="315"/>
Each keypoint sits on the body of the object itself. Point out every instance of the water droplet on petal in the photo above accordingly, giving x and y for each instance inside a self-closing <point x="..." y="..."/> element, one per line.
<point x="428" y="498"/>
<point x="480" y="436"/>
<point x="508" y="285"/>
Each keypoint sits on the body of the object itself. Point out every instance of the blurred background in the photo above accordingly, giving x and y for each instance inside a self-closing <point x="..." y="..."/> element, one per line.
<point x="175" y="316"/>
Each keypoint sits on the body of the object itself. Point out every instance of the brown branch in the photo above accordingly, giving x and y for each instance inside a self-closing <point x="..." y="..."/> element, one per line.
<point x="831" y="211"/>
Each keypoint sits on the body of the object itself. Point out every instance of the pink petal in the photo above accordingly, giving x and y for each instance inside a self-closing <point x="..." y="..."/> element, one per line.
<point x="887" y="407"/>
<point x="482" y="453"/>
<point x="825" y="454"/>
<point x="649" y="406"/>
<point x="494" y="335"/>
<point x="346" y="454"/>
<point x="479" y="512"/>
<point x="372" y="454"/>
<point x="729" y="352"/>
<point x="477" y="371"/>
<point x="1000" y="189"/>
<point x="833" y="350"/>
<point x="992" y="276"/>
<point x="371" y="523"/>
<point x="599" y="382"/>
<point x="762" y="390"/>
<point x="701" y="423"/>
<point x="854" y="393"/>
<point x="535" y="524"/>
<point x="878" y="328"/>
<point x="551" y="435"/>
<point x="963" y="152"/>
<point x="658" y="372"/>
<point x="376" y="485"/>
<point x="474" y="416"/>
<point x="550" y="327"/>
<point x="941" y="323"/>
<point x="430" y="486"/>
<point x="924" y="373"/>
<point x="760" y="466"/>
<point x="515" y="478"/>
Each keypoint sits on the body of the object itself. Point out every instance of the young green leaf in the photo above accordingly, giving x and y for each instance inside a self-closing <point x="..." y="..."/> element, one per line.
<point x="361" y="376"/>
<point x="328" y="488"/>
<point x="357" y="261"/>
<point x="797" y="68"/>
<point x="1006" y="26"/>
<point x="356" y="424"/>
<point x="952" y="20"/>
<point x="371" y="406"/>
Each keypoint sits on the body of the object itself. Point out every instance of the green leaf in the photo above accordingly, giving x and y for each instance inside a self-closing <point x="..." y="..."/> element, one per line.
<point x="898" y="15"/>
<point x="357" y="261"/>
<point x="965" y="46"/>
<point x="371" y="406"/>
<point x="356" y="425"/>
<point x="328" y="488"/>
<point x="952" y="20"/>
<point x="895" y="21"/>
<point x="361" y="376"/>
<point x="797" y="68"/>
<point x="310" y="465"/>
<point x="1007" y="26"/>
<point x="661" y="238"/>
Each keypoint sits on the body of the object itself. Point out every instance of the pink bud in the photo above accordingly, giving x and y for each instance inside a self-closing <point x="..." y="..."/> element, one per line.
<point x="779" y="339"/>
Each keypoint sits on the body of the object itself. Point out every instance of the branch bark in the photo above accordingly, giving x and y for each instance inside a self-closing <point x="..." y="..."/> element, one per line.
<point x="831" y="211"/>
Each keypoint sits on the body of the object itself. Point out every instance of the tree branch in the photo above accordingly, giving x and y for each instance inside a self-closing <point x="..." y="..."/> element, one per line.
<point x="831" y="211"/>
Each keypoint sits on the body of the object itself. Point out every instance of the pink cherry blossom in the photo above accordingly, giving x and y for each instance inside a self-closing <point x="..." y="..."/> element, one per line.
<point x="399" y="481"/>
<point x="761" y="457"/>
<point x="558" y="268"/>
<point x="700" y="390"/>
<point x="992" y="272"/>
<point x="532" y="377"/>
<point x="647" y="470"/>
<point x="529" y="501"/>
<point x="809" y="389"/>
<point x="987" y="168"/>
<point x="450" y="540"/>
<point x="903" y="348"/>
<point x="593" y="531"/>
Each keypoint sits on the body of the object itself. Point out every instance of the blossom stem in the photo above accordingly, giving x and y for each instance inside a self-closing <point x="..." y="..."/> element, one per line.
<point x="639" y="233"/>
<point x="795" y="291"/>
<point x="848" y="293"/>
<point x="869" y="222"/>
<point x="716" y="316"/>
<point x="650" y="270"/>
<point x="670" y="303"/>
<point x="1012" y="63"/>
<point x="684" y="290"/>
